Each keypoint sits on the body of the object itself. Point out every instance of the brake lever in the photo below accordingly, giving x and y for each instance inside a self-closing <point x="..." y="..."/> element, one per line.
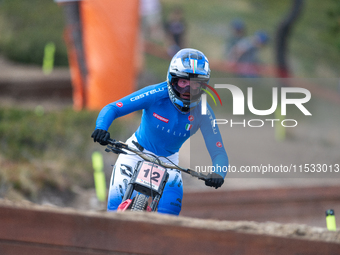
<point x="115" y="150"/>
<point x="195" y="174"/>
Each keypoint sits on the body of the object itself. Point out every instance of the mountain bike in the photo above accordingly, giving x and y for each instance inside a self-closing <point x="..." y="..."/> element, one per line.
<point x="149" y="178"/>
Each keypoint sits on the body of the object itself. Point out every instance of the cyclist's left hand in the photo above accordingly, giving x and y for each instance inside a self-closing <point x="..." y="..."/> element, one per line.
<point x="215" y="180"/>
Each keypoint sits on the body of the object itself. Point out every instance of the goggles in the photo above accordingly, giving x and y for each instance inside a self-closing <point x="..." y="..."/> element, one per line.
<point x="188" y="86"/>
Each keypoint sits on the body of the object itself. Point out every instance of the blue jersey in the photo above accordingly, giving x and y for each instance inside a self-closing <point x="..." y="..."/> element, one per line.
<point x="163" y="129"/>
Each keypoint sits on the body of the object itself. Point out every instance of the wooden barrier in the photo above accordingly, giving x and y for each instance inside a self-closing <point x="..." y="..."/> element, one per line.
<point x="37" y="230"/>
<point x="305" y="205"/>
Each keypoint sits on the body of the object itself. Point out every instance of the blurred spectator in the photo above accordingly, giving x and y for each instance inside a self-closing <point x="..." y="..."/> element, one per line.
<point x="245" y="54"/>
<point x="151" y="29"/>
<point x="151" y="20"/>
<point x="236" y="33"/>
<point x="175" y="28"/>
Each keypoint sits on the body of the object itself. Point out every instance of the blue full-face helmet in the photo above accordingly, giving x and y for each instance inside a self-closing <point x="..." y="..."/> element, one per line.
<point x="187" y="64"/>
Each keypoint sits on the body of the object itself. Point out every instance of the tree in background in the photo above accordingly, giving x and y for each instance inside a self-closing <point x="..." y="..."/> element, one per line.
<point x="334" y="16"/>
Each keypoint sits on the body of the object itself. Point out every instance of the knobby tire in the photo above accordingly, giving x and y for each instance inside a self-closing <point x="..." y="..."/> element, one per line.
<point x="140" y="203"/>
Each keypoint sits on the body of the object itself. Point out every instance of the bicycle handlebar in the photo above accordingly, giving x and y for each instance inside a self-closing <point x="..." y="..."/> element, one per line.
<point x="117" y="147"/>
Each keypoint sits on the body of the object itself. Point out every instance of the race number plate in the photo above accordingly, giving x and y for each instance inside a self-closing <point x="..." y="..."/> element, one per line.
<point x="150" y="175"/>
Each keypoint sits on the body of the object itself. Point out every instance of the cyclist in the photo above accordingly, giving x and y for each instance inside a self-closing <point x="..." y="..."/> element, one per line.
<point x="171" y="113"/>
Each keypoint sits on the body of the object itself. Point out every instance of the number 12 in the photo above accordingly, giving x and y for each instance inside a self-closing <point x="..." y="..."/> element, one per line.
<point x="155" y="175"/>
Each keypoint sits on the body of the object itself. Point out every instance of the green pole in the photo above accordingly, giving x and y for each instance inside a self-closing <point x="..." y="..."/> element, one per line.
<point x="99" y="176"/>
<point x="330" y="220"/>
<point x="48" y="61"/>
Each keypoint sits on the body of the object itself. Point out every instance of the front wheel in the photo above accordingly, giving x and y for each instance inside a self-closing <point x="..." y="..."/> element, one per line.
<point x="140" y="202"/>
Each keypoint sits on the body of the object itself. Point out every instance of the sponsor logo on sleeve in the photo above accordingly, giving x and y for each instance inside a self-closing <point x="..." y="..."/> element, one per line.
<point x="119" y="104"/>
<point x="147" y="93"/>
<point x="219" y="144"/>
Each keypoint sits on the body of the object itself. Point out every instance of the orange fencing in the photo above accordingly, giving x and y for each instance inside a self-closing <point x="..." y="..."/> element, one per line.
<point x="109" y="31"/>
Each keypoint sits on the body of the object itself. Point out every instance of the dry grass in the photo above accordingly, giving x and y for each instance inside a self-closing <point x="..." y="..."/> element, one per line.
<point x="50" y="151"/>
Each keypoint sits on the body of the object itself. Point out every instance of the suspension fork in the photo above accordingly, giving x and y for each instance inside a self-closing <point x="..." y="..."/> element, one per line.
<point x="157" y="197"/>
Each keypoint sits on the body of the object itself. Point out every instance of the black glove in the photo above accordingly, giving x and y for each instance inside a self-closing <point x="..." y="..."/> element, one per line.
<point x="101" y="136"/>
<point x="215" y="180"/>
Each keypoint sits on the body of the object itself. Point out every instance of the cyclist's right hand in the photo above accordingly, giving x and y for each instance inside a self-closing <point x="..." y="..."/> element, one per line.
<point x="101" y="136"/>
<point x="214" y="180"/>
